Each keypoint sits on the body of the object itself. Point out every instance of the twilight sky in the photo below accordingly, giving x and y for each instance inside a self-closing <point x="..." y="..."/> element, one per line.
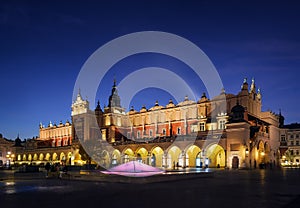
<point x="44" y="44"/>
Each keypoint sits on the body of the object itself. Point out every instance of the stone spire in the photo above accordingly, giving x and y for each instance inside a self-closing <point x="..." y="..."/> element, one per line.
<point x="98" y="107"/>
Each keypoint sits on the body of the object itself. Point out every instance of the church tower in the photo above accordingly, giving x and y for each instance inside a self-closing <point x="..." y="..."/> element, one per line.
<point x="114" y="99"/>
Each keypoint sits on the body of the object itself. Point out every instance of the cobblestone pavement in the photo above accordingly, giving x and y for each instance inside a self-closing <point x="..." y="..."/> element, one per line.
<point x="227" y="188"/>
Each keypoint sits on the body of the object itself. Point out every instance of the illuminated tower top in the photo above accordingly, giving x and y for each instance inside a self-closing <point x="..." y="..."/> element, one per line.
<point x="79" y="106"/>
<point x="114" y="99"/>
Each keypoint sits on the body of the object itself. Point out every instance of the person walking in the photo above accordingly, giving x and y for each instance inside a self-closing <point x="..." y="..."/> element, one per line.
<point x="47" y="168"/>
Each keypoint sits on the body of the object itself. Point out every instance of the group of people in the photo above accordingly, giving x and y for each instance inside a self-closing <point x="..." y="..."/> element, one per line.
<point x="55" y="170"/>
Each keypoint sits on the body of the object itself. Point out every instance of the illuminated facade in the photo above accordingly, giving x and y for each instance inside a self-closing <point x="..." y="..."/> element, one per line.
<point x="290" y="144"/>
<point x="55" y="144"/>
<point x="187" y="134"/>
<point x="6" y="151"/>
<point x="184" y="134"/>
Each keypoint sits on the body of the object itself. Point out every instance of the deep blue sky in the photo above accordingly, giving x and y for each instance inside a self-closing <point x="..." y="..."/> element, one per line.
<point x="45" y="43"/>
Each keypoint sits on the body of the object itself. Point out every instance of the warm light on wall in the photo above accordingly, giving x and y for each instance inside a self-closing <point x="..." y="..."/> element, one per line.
<point x="262" y="153"/>
<point x="247" y="152"/>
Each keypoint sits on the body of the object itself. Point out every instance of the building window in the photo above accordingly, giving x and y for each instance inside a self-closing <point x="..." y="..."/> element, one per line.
<point x="282" y="138"/>
<point x="292" y="136"/>
<point x="297" y="152"/>
<point x="297" y="135"/>
<point x="164" y="132"/>
<point x="292" y="152"/>
<point x="202" y="126"/>
<point x="292" y="143"/>
<point x="107" y="121"/>
<point x="138" y="135"/>
<point x="128" y="135"/>
<point x="150" y="132"/>
<point x="179" y="131"/>
<point x="297" y="142"/>
<point x="0" y="154"/>
<point x="222" y="124"/>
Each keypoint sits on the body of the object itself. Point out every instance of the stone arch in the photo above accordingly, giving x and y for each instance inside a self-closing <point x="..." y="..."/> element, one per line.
<point x="29" y="157"/>
<point x="193" y="156"/>
<point x="62" y="157"/>
<point x="48" y="157"/>
<point x="41" y="157"/>
<point x="260" y="154"/>
<point x="267" y="152"/>
<point x="35" y="157"/>
<point x="157" y="154"/>
<point x="54" y="156"/>
<point x="215" y="155"/>
<point x="142" y="155"/>
<point x="116" y="157"/>
<point x="105" y="159"/>
<point x="128" y="155"/>
<point x="174" y="157"/>
<point x="69" y="158"/>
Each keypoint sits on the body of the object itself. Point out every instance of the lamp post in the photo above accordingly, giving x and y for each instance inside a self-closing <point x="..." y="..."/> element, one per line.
<point x="10" y="158"/>
<point x="247" y="161"/>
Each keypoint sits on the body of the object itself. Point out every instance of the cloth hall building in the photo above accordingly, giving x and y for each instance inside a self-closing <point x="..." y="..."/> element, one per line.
<point x="187" y="134"/>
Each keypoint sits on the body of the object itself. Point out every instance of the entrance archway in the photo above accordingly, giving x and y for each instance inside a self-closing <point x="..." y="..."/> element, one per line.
<point x="48" y="157"/>
<point x="157" y="157"/>
<point x="128" y="155"/>
<point x="267" y="153"/>
<point x="62" y="157"/>
<point x="192" y="154"/>
<point x="261" y="153"/>
<point x="215" y="155"/>
<point x="29" y="157"/>
<point x="41" y="157"/>
<point x="54" y="157"/>
<point x="116" y="157"/>
<point x="35" y="157"/>
<point x="105" y="160"/>
<point x="142" y="155"/>
<point x="174" y="155"/>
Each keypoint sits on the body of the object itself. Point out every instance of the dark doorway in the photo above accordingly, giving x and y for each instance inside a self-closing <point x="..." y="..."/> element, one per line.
<point x="235" y="162"/>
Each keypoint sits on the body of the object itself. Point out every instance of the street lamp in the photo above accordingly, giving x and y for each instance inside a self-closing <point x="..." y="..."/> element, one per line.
<point x="10" y="158"/>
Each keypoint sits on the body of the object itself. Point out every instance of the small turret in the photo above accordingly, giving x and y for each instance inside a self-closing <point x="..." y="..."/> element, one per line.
<point x="252" y="88"/>
<point x="258" y="95"/>
<point x="98" y="107"/>
<point x="281" y="119"/>
<point x="244" y="86"/>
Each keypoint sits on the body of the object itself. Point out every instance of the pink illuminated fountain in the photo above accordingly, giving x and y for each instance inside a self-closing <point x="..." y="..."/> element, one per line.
<point x="134" y="169"/>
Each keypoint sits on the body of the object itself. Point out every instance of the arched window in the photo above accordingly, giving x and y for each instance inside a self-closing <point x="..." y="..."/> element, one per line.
<point x="222" y="124"/>
<point x="202" y="126"/>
